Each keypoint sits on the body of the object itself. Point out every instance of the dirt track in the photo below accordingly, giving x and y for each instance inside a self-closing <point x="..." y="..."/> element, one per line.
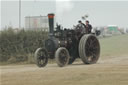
<point x="108" y="71"/>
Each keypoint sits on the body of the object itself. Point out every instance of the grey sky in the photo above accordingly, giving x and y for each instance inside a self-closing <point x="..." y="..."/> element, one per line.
<point x="101" y="13"/>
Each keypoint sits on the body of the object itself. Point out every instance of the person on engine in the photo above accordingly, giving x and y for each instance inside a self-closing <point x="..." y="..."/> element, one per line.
<point x="81" y="26"/>
<point x="88" y="27"/>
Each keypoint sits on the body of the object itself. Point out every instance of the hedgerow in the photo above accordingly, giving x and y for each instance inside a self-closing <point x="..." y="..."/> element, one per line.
<point x="21" y="45"/>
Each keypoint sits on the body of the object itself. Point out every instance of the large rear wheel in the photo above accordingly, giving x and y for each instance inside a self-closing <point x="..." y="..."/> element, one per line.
<point x="89" y="49"/>
<point x="41" y="57"/>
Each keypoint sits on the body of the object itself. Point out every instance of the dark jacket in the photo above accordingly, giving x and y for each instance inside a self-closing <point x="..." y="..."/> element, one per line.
<point x="88" y="28"/>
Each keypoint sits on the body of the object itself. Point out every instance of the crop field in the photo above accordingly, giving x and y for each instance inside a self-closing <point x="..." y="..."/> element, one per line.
<point x="111" y="69"/>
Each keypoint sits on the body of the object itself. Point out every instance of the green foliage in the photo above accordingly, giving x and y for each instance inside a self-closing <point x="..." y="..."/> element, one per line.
<point x="17" y="46"/>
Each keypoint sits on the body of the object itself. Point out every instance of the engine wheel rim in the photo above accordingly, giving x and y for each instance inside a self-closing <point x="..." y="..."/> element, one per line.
<point x="92" y="49"/>
<point x="63" y="56"/>
<point x="41" y="57"/>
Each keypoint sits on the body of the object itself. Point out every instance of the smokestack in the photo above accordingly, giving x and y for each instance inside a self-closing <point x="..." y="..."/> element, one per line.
<point x="51" y="24"/>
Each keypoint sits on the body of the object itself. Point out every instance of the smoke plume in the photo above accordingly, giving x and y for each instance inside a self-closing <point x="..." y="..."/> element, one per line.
<point x="63" y="7"/>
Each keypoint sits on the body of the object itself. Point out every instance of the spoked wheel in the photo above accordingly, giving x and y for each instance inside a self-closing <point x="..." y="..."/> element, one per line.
<point x="41" y="57"/>
<point x="89" y="49"/>
<point x="62" y="56"/>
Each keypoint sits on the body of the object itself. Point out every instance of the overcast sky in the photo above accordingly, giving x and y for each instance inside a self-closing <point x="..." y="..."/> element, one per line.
<point x="101" y="13"/>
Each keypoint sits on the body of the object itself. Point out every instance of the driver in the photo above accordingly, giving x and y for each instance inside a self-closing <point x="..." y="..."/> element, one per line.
<point x="80" y="26"/>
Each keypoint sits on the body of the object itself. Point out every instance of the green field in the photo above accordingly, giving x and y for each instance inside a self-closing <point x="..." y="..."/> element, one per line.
<point x="114" y="46"/>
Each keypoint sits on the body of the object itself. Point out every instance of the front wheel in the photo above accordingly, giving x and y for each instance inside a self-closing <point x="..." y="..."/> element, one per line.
<point x="41" y="57"/>
<point x="62" y="56"/>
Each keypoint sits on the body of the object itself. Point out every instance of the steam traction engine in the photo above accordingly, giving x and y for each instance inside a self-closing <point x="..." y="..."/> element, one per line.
<point x="65" y="45"/>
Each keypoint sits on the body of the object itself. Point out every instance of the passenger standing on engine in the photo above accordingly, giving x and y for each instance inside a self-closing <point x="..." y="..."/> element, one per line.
<point x="81" y="27"/>
<point x="88" y="27"/>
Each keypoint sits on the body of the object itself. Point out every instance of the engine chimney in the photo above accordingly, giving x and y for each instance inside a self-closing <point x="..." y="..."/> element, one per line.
<point x="51" y="24"/>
